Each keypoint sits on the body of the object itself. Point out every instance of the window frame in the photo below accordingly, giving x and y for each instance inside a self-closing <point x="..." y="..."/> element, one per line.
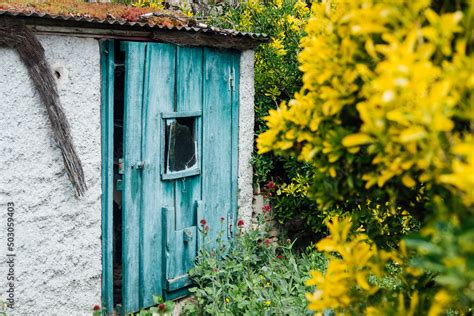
<point x="196" y="170"/>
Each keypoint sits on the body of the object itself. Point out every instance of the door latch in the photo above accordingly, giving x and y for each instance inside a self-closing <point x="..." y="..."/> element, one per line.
<point x="139" y="165"/>
<point x="188" y="234"/>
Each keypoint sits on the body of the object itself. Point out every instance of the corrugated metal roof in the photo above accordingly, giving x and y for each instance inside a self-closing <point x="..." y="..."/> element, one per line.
<point x="143" y="25"/>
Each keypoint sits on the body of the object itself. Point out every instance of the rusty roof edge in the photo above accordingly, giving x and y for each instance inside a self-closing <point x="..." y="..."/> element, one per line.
<point x="94" y="22"/>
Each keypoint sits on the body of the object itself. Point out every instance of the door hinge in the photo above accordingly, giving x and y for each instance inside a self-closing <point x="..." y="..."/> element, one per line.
<point x="119" y="185"/>
<point x="120" y="166"/>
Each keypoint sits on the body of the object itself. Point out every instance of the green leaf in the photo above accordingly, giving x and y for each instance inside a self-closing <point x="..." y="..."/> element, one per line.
<point x="158" y="299"/>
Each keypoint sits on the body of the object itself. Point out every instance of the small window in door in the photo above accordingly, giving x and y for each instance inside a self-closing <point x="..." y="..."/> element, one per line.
<point x="180" y="155"/>
<point x="181" y="144"/>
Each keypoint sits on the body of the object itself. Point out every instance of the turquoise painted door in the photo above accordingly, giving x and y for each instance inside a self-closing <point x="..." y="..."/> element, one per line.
<point x="180" y="162"/>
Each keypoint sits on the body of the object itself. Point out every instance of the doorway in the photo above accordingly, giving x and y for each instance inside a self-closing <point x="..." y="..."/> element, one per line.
<point x="172" y="162"/>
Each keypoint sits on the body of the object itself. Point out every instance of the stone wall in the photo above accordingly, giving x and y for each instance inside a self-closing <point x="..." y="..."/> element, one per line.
<point x="57" y="263"/>
<point x="246" y="135"/>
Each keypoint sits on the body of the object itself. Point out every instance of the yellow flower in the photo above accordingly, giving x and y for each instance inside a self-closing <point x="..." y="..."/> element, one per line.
<point x="267" y="303"/>
<point x="356" y="259"/>
<point x="294" y="23"/>
<point x="356" y="140"/>
<point x="462" y="176"/>
<point x="408" y="181"/>
<point x="277" y="45"/>
<point x="440" y="303"/>
<point x="301" y="7"/>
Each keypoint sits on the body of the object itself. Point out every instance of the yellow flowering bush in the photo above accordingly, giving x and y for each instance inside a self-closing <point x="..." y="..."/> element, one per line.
<point x="385" y="118"/>
<point x="390" y="79"/>
<point x="353" y="282"/>
<point x="352" y="261"/>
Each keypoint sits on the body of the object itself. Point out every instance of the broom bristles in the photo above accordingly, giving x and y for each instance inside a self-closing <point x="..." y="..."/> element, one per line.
<point x="32" y="55"/>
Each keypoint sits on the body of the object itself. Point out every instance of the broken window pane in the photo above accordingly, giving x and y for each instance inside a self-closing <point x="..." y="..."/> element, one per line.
<point x="181" y="145"/>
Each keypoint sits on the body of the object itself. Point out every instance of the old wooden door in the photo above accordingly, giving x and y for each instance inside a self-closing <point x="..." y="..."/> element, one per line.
<point x="180" y="162"/>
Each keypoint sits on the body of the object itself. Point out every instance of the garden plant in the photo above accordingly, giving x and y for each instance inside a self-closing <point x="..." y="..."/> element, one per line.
<point x="254" y="274"/>
<point x="384" y="117"/>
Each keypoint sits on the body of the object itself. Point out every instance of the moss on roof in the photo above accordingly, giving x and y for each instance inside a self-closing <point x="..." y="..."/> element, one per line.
<point x="100" y="11"/>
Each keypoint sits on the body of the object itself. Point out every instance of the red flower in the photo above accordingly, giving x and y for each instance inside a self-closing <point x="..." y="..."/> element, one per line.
<point x="96" y="308"/>
<point x="266" y="208"/>
<point x="267" y="241"/>
<point x="206" y="227"/>
<point x="280" y="257"/>
<point x="203" y="222"/>
<point x="271" y="185"/>
<point x="162" y="307"/>
<point x="240" y="223"/>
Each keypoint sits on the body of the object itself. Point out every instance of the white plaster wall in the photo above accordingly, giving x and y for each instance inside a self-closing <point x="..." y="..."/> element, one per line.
<point x="246" y="135"/>
<point x="57" y="237"/>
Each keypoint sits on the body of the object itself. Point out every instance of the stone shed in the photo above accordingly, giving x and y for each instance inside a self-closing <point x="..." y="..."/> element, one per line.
<point x="118" y="136"/>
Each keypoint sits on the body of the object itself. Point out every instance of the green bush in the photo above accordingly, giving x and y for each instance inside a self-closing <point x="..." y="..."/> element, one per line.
<point x="277" y="78"/>
<point x="251" y="275"/>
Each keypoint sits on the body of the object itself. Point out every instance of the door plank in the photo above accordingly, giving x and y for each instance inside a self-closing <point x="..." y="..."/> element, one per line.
<point x="188" y="189"/>
<point x="159" y="98"/>
<point x="188" y="98"/>
<point x="232" y="216"/>
<point x="168" y="232"/>
<point x="107" y="111"/>
<point x="217" y="140"/>
<point x="134" y="71"/>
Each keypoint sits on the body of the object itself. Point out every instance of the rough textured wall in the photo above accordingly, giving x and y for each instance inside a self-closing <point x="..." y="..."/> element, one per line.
<point x="246" y="137"/>
<point x="57" y="237"/>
